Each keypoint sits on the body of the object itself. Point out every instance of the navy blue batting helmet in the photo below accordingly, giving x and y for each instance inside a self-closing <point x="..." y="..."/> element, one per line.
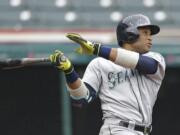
<point x="127" y="29"/>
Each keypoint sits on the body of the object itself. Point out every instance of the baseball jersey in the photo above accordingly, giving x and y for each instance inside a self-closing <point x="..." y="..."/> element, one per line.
<point x="125" y="93"/>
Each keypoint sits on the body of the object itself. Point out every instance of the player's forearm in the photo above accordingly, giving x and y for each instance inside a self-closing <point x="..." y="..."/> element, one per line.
<point x="77" y="89"/>
<point x="82" y="95"/>
<point x="119" y="56"/>
<point x="113" y="54"/>
<point x="73" y="80"/>
<point x="76" y="84"/>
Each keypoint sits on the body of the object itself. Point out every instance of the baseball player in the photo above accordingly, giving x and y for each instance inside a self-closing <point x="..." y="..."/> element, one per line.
<point x="126" y="79"/>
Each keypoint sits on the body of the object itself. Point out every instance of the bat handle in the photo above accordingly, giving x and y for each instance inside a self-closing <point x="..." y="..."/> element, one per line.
<point x="26" y="61"/>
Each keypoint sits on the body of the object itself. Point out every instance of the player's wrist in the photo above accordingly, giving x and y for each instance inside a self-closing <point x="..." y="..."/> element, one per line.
<point x="104" y="52"/>
<point x="71" y="76"/>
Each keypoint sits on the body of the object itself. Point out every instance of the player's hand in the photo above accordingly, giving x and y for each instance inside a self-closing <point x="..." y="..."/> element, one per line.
<point x="61" y="61"/>
<point x="86" y="47"/>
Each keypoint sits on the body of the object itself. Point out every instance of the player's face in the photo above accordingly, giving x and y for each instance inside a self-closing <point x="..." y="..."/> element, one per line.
<point x="144" y="42"/>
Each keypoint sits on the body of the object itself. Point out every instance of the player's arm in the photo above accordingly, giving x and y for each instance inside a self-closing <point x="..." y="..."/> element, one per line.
<point x="130" y="59"/>
<point x="80" y="92"/>
<point x="120" y="56"/>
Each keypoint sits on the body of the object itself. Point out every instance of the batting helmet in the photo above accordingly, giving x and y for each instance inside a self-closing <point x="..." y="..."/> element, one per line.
<point x="127" y="29"/>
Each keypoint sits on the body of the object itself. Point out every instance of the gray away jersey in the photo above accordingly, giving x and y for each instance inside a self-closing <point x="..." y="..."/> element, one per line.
<point x="124" y="92"/>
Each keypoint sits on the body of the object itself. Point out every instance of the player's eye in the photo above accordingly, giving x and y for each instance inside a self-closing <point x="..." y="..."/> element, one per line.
<point x="147" y="32"/>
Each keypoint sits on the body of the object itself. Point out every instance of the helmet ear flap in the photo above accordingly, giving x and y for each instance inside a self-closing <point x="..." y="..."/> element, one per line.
<point x="131" y="37"/>
<point x="123" y="35"/>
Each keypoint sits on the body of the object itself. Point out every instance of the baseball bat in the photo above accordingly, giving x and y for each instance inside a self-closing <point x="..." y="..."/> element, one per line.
<point x="30" y="61"/>
<point x="18" y="63"/>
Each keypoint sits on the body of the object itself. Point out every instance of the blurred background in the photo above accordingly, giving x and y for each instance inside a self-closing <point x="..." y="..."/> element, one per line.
<point x="34" y="101"/>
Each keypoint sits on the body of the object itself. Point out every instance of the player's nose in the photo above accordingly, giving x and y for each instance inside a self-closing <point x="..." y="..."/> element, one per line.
<point x="149" y="38"/>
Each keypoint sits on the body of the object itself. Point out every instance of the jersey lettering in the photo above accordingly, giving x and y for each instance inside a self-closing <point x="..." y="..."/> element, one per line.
<point x="116" y="78"/>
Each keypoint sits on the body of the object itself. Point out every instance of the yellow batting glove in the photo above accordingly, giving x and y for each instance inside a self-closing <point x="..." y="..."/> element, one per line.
<point x="86" y="47"/>
<point x="61" y="62"/>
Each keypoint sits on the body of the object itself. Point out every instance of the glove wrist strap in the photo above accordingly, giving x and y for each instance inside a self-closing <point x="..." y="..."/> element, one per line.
<point x="69" y="71"/>
<point x="97" y="47"/>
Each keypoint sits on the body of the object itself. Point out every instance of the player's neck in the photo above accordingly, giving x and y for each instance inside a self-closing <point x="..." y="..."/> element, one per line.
<point x="128" y="47"/>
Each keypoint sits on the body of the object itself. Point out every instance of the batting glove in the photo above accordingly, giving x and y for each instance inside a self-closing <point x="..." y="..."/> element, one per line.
<point x="61" y="62"/>
<point x="86" y="47"/>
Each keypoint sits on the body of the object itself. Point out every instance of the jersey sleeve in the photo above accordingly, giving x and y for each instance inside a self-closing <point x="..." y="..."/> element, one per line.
<point x="159" y="75"/>
<point x="92" y="75"/>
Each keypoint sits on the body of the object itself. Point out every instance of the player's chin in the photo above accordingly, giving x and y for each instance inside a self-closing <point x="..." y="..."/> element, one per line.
<point x="145" y="50"/>
<point x="149" y="46"/>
